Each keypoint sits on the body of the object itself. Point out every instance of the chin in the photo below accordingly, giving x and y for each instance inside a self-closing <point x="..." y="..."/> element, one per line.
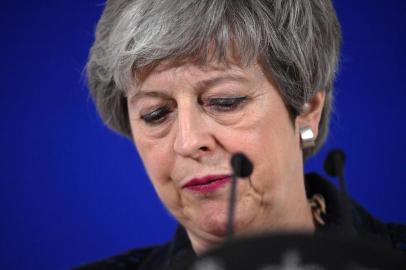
<point x="215" y="222"/>
<point x="212" y="220"/>
<point x="216" y="227"/>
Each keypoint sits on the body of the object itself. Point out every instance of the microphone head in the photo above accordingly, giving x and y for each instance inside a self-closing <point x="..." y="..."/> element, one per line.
<point x="241" y="165"/>
<point x="334" y="162"/>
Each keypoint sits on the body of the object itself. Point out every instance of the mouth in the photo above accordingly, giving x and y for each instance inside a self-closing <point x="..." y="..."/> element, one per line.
<point x="207" y="184"/>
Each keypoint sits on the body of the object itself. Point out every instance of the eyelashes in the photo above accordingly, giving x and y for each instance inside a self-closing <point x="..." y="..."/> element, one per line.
<point x="226" y="104"/>
<point x="212" y="105"/>
<point x="156" y="116"/>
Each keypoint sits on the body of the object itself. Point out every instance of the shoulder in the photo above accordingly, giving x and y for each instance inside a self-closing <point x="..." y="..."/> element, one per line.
<point x="173" y="255"/>
<point x="132" y="259"/>
<point x="397" y="234"/>
<point x="393" y="234"/>
<point x="363" y="223"/>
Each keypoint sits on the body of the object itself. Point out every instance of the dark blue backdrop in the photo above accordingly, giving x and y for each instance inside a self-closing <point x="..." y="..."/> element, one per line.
<point x="71" y="191"/>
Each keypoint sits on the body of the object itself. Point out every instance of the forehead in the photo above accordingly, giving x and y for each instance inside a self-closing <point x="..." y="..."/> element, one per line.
<point x="166" y="73"/>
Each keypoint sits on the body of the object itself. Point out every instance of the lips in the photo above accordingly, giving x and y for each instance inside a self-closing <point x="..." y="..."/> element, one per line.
<point x="207" y="184"/>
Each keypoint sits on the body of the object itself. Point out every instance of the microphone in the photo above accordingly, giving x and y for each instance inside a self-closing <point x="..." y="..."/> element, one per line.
<point x="334" y="162"/>
<point x="242" y="167"/>
<point x="334" y="166"/>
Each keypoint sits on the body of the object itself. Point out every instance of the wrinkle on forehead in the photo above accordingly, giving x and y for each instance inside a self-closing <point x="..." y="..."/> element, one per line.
<point x="206" y="59"/>
<point x="200" y="78"/>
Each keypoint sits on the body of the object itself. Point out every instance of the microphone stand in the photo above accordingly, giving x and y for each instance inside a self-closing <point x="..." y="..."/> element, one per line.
<point x="242" y="167"/>
<point x="231" y="208"/>
<point x="345" y="203"/>
<point x="334" y="166"/>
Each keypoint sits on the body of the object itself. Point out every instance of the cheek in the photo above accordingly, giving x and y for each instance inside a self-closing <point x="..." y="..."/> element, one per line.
<point x="279" y="159"/>
<point x="270" y="142"/>
<point x="157" y="159"/>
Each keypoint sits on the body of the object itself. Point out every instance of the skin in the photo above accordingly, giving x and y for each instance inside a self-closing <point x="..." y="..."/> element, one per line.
<point x="194" y="136"/>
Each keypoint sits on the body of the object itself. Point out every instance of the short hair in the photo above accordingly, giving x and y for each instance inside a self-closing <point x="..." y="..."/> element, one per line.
<point x="296" y="42"/>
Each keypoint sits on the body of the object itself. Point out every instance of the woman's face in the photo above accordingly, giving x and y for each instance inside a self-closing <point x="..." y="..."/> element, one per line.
<point x="187" y="122"/>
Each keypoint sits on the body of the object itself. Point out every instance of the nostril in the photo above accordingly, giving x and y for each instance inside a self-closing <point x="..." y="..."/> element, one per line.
<point x="204" y="148"/>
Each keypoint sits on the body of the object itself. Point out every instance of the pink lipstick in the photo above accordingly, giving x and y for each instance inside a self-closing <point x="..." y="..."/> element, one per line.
<point x="207" y="184"/>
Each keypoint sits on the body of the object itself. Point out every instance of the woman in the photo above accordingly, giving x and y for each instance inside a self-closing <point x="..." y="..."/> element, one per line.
<point x="192" y="82"/>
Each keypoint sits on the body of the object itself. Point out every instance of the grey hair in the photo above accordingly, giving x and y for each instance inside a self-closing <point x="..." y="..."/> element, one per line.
<point x="296" y="42"/>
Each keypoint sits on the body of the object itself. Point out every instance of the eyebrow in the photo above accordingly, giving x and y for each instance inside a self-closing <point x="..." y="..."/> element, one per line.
<point x="148" y="93"/>
<point x="210" y="83"/>
<point x="200" y="86"/>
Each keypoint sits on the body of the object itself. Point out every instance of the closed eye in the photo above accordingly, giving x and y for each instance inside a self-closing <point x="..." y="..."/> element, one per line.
<point x="156" y="116"/>
<point x="226" y="104"/>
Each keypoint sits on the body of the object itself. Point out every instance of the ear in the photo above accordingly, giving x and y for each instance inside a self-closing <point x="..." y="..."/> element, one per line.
<point x="311" y="113"/>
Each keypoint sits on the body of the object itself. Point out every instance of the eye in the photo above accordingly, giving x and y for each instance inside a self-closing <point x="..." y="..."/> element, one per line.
<point x="156" y="116"/>
<point x="226" y="104"/>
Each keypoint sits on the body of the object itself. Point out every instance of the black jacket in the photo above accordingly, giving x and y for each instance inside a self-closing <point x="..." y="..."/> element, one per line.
<point x="178" y="251"/>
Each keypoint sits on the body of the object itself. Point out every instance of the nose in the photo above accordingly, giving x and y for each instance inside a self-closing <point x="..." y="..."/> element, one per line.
<point x="193" y="135"/>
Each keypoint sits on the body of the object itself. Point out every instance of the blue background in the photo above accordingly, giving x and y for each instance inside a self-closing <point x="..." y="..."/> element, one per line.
<point x="71" y="191"/>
